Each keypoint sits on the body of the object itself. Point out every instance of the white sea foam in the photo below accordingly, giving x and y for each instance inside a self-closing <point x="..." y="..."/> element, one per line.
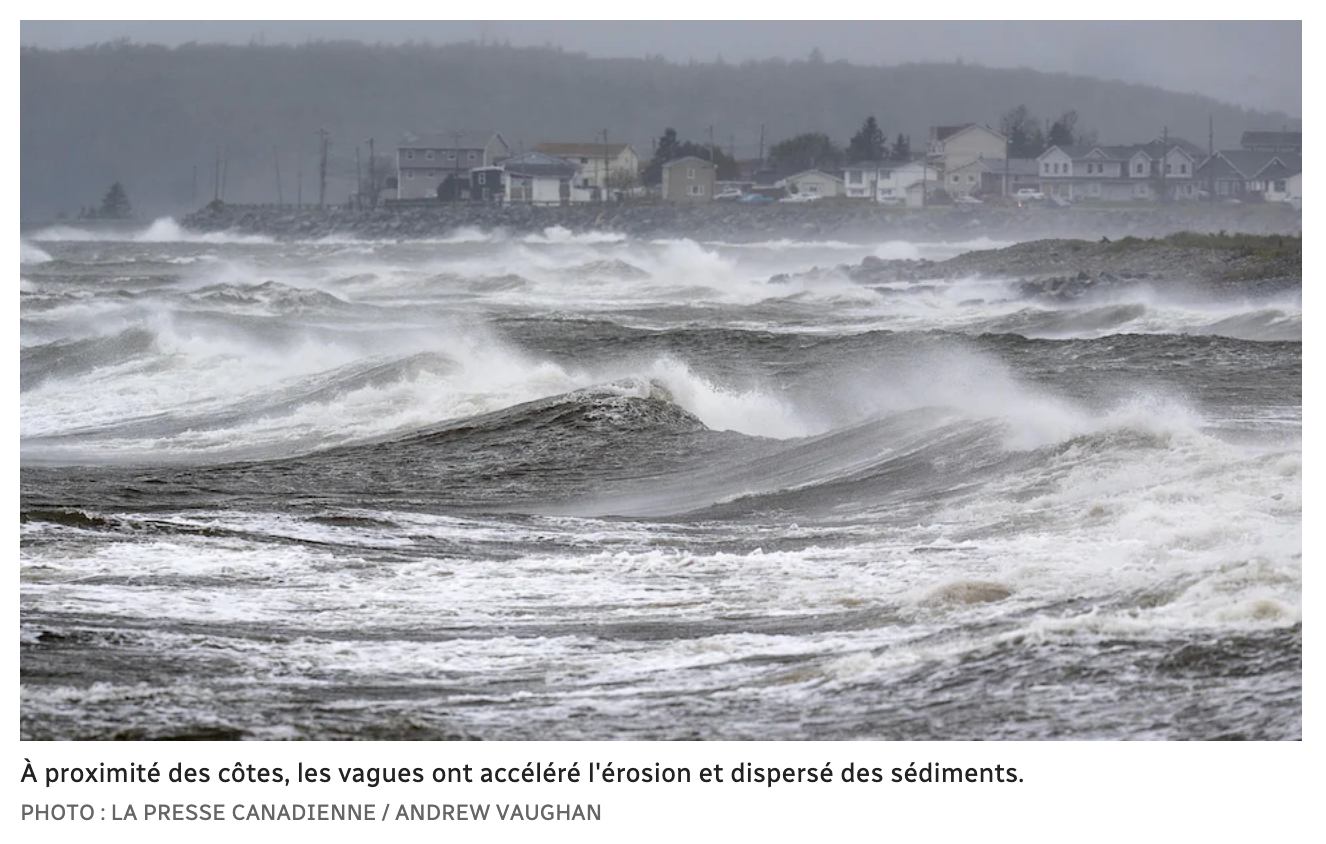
<point x="30" y="254"/>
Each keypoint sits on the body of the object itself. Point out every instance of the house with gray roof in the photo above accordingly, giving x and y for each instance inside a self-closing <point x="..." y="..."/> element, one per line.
<point x="1250" y="175"/>
<point x="1272" y="142"/>
<point x="1120" y="173"/>
<point x="540" y="178"/>
<point x="424" y="161"/>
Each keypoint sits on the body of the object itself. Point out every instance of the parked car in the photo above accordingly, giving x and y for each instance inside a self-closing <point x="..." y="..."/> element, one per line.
<point x="800" y="197"/>
<point x="890" y="200"/>
<point x="1025" y="194"/>
<point x="727" y="194"/>
<point x="755" y="197"/>
<point x="968" y="202"/>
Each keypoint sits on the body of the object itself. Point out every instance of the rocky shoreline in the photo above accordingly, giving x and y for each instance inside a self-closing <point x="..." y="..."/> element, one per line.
<point x="736" y="222"/>
<point x="1069" y="269"/>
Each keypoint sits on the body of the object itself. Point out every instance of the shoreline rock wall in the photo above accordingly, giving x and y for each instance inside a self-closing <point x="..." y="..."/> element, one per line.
<point x="825" y="220"/>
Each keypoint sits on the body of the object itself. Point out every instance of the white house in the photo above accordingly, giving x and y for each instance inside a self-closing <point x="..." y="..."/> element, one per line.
<point x="812" y="183"/>
<point x="1120" y="173"/>
<point x="891" y="182"/>
<point x="912" y="183"/>
<point x="601" y="166"/>
<point x="541" y="179"/>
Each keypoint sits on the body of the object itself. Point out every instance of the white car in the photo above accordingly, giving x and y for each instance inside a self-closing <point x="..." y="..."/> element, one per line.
<point x="800" y="197"/>
<point x="727" y="193"/>
<point x="1030" y="193"/>
<point x="969" y="201"/>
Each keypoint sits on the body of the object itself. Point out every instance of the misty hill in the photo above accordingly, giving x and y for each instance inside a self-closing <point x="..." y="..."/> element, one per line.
<point x="153" y="118"/>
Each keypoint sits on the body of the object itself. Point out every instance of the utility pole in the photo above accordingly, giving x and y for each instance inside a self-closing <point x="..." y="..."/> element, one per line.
<point x="276" y="162"/>
<point x="194" y="197"/>
<point x="372" y="176"/>
<point x="225" y="171"/>
<point x="1210" y="159"/>
<point x="216" y="177"/>
<point x="359" y="182"/>
<point x="455" y="169"/>
<point x="761" y="146"/>
<point x="605" y="165"/>
<point x="1007" y="151"/>
<point x="299" y="188"/>
<point x="1164" y="162"/>
<point x="325" y="138"/>
<point x="711" y="144"/>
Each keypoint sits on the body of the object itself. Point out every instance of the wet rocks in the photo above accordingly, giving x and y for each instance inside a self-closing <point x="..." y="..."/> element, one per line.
<point x="738" y="222"/>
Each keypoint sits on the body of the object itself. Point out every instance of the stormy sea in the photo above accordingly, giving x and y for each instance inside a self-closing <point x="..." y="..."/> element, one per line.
<point x="580" y="486"/>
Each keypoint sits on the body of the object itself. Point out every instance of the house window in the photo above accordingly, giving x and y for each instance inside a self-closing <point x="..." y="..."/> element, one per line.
<point x="429" y="155"/>
<point x="430" y="174"/>
<point x="1279" y="185"/>
<point x="409" y="154"/>
<point x="971" y="178"/>
<point x="451" y="156"/>
<point x="1183" y="168"/>
<point x="855" y="177"/>
<point x="473" y="155"/>
<point x="1045" y="166"/>
<point x="697" y="190"/>
<point x="1168" y="166"/>
<point x="409" y="174"/>
<point x="1139" y="168"/>
<point x="690" y="172"/>
<point x="955" y="178"/>
<point x="481" y="178"/>
<point x="584" y="160"/>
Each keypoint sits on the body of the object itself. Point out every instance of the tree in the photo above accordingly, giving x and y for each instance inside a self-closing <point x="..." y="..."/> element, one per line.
<point x="1062" y="130"/>
<point x="664" y="151"/>
<point x="115" y="204"/>
<point x="670" y="149"/>
<point x="868" y="144"/>
<point x="902" y="148"/>
<point x="813" y="150"/>
<point x="1025" y="138"/>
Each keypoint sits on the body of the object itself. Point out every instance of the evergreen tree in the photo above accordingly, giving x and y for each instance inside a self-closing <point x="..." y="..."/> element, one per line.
<point x="1025" y="138"/>
<point x="902" y="148"/>
<point x="868" y="144"/>
<point x="664" y="151"/>
<point x="115" y="204"/>
<point x="669" y="148"/>
<point x="813" y="150"/>
<point x="1062" y="130"/>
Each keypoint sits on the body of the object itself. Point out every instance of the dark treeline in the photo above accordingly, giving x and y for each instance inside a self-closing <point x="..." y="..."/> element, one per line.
<point x="155" y="118"/>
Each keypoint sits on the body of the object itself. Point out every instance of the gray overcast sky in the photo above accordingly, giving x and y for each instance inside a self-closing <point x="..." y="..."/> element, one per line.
<point x="1258" y="64"/>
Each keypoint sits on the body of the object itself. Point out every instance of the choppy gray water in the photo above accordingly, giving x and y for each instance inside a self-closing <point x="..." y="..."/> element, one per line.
<point x="584" y="487"/>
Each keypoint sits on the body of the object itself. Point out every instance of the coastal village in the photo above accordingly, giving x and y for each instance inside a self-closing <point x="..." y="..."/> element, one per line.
<point x="965" y="165"/>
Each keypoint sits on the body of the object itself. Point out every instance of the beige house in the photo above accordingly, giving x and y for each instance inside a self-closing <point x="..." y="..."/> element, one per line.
<point x="689" y="180"/>
<point x="952" y="147"/>
<point x="611" y="166"/>
<point x="813" y="183"/>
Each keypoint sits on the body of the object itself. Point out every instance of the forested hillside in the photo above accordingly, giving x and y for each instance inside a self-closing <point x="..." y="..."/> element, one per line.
<point x="157" y="119"/>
